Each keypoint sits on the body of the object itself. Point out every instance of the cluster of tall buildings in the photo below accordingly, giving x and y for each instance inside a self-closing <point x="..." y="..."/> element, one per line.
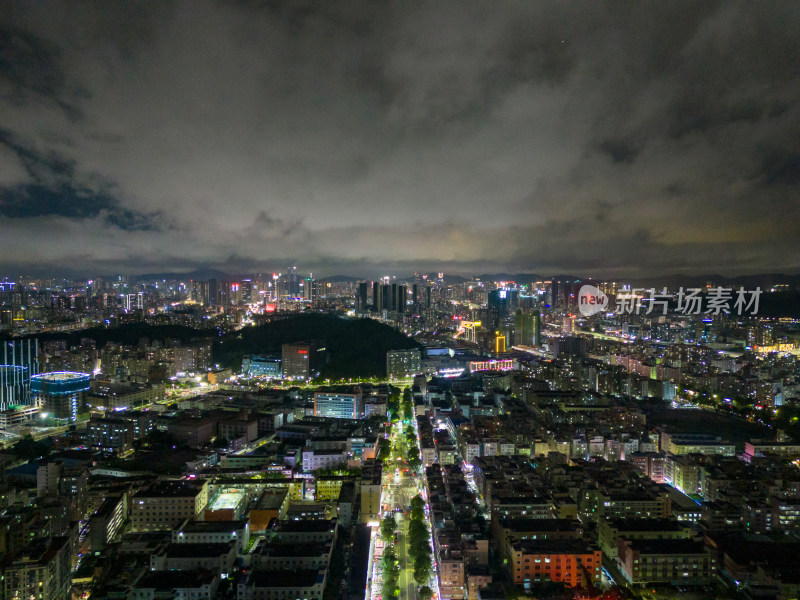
<point x="279" y="286"/>
<point x="380" y="297"/>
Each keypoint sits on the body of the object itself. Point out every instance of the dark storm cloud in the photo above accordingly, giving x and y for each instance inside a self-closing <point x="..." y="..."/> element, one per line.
<point x="28" y="63"/>
<point x="604" y="138"/>
<point x="619" y="151"/>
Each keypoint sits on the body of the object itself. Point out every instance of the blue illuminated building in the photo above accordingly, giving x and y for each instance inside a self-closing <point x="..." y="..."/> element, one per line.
<point x="59" y="392"/>
<point x="19" y="360"/>
<point x="338" y="405"/>
<point x="259" y="365"/>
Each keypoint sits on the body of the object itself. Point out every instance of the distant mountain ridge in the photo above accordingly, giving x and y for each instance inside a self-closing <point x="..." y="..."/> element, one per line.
<point x="196" y="275"/>
<point x="763" y="280"/>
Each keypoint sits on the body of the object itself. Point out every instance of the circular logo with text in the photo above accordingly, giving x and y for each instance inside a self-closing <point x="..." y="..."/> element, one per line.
<point x="591" y="300"/>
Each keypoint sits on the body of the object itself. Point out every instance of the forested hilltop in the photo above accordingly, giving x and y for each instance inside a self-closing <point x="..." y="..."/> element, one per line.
<point x="357" y="347"/>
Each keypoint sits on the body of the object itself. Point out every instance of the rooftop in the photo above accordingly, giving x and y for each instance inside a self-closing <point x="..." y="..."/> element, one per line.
<point x="553" y="547"/>
<point x="198" y="550"/>
<point x="170" y="580"/>
<point x="271" y="500"/>
<point x="645" y="524"/>
<point x="295" y="579"/>
<point x="298" y="550"/>
<point x="681" y="547"/>
<point x="167" y="489"/>
<point x="213" y="526"/>
<point x="229" y="499"/>
<point x="308" y="526"/>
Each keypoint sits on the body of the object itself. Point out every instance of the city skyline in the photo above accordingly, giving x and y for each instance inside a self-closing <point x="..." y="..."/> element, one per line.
<point x="594" y="139"/>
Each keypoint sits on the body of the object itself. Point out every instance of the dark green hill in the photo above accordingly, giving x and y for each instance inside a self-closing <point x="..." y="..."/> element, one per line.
<point x="357" y="347"/>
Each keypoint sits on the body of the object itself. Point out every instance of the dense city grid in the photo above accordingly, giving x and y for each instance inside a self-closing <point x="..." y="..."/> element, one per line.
<point x="431" y="300"/>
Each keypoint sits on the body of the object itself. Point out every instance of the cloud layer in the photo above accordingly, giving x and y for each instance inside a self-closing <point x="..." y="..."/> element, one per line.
<point x="600" y="138"/>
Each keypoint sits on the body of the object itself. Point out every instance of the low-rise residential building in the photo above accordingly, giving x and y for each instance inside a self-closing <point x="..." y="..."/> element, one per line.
<point x="610" y="531"/>
<point x="323" y="459"/>
<point x="285" y="557"/>
<point x="110" y="434"/>
<point x="213" y="532"/>
<point x="43" y="570"/>
<point x="571" y="563"/>
<point x="282" y="585"/>
<point x="167" y="504"/>
<point x="106" y="522"/>
<point x="176" y="585"/>
<point x="299" y="532"/>
<point x="645" y="562"/>
<point x="271" y="506"/>
<point x="217" y="557"/>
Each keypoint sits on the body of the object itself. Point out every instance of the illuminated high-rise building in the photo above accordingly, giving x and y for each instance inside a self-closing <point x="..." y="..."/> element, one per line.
<point x="339" y="405"/>
<point x="397" y="300"/>
<point x="537" y="328"/>
<point x="292" y="282"/>
<point x="59" y="393"/>
<point x="248" y="290"/>
<point x="528" y="328"/>
<point x="403" y="363"/>
<point x="361" y="298"/>
<point x="134" y="302"/>
<point x="309" y="289"/>
<point x="20" y="361"/>
<point x="213" y="296"/>
<point x="377" y="296"/>
<point x="302" y="360"/>
<point x="499" y="342"/>
<point x="383" y="297"/>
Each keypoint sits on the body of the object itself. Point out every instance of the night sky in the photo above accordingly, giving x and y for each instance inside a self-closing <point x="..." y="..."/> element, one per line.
<point x="604" y="139"/>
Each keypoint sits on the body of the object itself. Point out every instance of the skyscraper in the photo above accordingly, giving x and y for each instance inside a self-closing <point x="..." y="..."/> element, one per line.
<point x="523" y="329"/>
<point x="302" y="360"/>
<point x="361" y="299"/>
<point x="528" y="328"/>
<point x="398" y="298"/>
<point x="292" y="282"/>
<point x="20" y="361"/>
<point x="377" y="296"/>
<point x="213" y="298"/>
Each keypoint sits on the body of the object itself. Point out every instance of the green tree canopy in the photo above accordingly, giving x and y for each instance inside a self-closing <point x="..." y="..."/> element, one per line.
<point x="422" y="568"/>
<point x="29" y="449"/>
<point x="388" y="525"/>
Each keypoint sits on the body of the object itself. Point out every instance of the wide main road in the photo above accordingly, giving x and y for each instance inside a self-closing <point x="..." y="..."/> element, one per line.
<point x="401" y="487"/>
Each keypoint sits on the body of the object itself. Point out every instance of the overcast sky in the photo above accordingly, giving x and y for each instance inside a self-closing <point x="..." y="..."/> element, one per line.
<point x="596" y="138"/>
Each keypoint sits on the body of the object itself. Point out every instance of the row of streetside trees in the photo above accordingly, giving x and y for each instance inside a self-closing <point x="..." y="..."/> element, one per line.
<point x="414" y="461"/>
<point x="419" y="538"/>
<point x="393" y="404"/>
<point x="419" y="542"/>
<point x="412" y="444"/>
<point x="390" y="562"/>
<point x="407" y="404"/>
<point x="384" y="449"/>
